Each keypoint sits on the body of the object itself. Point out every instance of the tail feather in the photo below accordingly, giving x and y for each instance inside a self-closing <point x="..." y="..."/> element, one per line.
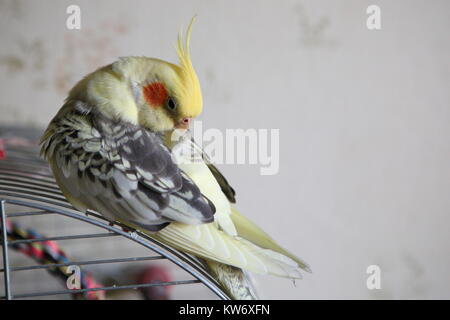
<point x="208" y="242"/>
<point x="250" y="231"/>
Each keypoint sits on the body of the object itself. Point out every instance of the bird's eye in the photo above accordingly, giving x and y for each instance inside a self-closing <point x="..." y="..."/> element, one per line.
<point x="171" y="104"/>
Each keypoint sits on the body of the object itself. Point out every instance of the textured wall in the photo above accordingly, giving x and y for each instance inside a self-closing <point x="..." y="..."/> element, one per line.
<point x="363" y="116"/>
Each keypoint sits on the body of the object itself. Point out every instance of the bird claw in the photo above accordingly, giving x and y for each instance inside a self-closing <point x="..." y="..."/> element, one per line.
<point x="133" y="234"/>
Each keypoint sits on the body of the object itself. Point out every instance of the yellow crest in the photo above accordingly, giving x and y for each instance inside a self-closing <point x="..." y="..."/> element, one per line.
<point x="189" y="92"/>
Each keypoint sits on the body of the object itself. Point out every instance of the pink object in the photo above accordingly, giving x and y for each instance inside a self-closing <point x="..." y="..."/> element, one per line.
<point x="2" y="150"/>
<point x="155" y="274"/>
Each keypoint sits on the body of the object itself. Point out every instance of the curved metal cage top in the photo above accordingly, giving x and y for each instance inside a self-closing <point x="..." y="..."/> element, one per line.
<point x="27" y="183"/>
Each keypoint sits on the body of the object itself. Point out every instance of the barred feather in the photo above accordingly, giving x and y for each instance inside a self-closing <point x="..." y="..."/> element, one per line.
<point x="123" y="169"/>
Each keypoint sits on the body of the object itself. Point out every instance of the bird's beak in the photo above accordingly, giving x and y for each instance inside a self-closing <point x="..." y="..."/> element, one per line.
<point x="184" y="123"/>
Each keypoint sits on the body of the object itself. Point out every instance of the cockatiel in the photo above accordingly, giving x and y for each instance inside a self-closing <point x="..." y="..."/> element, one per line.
<point x="111" y="148"/>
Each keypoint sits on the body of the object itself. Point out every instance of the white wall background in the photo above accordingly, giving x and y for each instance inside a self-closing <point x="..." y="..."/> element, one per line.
<point x="363" y="117"/>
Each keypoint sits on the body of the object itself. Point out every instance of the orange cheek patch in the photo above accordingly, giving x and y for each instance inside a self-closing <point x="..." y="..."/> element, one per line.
<point x="155" y="94"/>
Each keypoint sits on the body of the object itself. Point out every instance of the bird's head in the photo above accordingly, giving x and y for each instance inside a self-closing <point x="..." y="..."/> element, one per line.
<point x="149" y="92"/>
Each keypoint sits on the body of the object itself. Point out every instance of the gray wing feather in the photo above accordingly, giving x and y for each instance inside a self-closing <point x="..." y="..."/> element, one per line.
<point x="125" y="172"/>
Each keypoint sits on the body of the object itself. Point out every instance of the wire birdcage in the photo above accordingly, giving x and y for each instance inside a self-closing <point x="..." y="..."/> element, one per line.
<point x="27" y="189"/>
